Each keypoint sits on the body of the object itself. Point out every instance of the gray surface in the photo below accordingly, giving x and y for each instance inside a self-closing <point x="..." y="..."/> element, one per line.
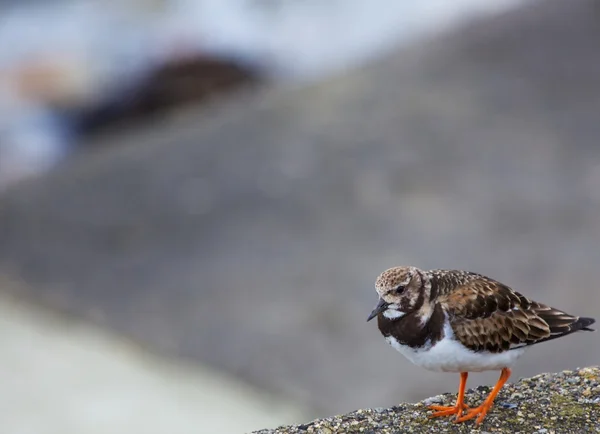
<point x="251" y="240"/>
<point x="570" y="405"/>
<point x="59" y="377"/>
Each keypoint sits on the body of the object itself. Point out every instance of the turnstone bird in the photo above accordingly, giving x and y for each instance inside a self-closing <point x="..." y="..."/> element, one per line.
<point x="458" y="321"/>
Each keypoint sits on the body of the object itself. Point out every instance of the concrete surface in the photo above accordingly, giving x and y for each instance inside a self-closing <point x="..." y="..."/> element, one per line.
<point x="555" y="403"/>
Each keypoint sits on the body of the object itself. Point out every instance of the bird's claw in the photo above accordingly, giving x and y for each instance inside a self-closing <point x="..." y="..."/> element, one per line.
<point x="480" y="411"/>
<point x="441" y="410"/>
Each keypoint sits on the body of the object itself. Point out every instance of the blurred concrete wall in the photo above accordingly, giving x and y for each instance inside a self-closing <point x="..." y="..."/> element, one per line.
<point x="250" y="240"/>
<point x="61" y="377"/>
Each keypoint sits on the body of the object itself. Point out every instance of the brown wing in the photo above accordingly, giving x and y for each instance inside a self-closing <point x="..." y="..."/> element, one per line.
<point x="487" y="315"/>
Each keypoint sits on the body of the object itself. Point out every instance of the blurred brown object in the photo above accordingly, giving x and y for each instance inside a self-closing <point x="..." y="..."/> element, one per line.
<point x="182" y="81"/>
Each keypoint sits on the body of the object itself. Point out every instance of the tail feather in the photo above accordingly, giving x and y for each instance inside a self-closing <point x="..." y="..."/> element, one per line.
<point x="562" y="324"/>
<point x="582" y="323"/>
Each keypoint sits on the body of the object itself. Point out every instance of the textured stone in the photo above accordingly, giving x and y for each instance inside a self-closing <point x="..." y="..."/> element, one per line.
<point x="566" y="413"/>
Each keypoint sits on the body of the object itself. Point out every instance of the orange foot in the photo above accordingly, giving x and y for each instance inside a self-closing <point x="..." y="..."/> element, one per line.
<point x="441" y="410"/>
<point x="472" y="412"/>
<point x="483" y="409"/>
<point x="460" y="406"/>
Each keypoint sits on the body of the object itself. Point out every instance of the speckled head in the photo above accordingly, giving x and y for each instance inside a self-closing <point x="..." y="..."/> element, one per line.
<point x="401" y="290"/>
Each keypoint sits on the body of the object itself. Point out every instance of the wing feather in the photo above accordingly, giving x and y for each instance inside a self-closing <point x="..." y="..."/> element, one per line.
<point x="486" y="315"/>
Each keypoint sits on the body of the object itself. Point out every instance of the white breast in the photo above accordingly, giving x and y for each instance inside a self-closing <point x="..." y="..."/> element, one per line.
<point x="449" y="355"/>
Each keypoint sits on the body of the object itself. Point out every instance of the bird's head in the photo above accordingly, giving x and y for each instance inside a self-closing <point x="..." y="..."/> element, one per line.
<point x="399" y="290"/>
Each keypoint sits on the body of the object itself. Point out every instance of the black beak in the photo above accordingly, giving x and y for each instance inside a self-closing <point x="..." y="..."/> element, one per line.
<point x="381" y="306"/>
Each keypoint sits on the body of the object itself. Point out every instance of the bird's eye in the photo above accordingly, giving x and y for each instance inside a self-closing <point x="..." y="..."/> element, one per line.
<point x="400" y="289"/>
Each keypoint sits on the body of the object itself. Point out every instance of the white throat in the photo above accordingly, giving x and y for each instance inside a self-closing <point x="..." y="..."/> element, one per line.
<point x="392" y="312"/>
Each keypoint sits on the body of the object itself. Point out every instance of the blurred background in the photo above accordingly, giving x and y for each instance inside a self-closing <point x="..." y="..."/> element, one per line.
<point x="197" y="196"/>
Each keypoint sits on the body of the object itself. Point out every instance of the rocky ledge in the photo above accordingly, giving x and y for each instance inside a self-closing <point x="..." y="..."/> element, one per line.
<point x="566" y="402"/>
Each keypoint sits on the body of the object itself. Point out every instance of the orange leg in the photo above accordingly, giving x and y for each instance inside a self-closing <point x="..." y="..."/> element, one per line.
<point x="460" y="406"/>
<point x="489" y="401"/>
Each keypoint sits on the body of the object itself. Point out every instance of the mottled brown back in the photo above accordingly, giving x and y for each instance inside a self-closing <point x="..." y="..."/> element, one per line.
<point x="487" y="315"/>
